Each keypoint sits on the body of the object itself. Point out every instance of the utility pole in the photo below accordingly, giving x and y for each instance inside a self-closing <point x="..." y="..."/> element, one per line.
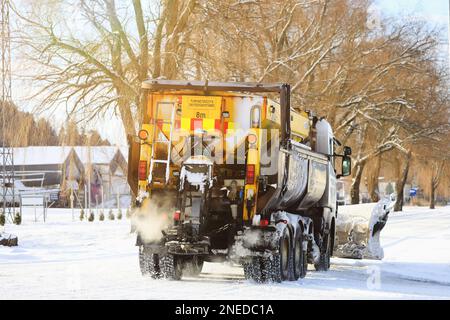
<point x="6" y="152"/>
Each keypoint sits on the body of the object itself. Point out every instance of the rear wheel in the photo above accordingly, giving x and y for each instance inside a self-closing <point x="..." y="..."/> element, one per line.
<point x="285" y="255"/>
<point x="276" y="275"/>
<point x="153" y="266"/>
<point x="253" y="270"/>
<point x="149" y="263"/>
<point x="276" y="267"/>
<point x="299" y="256"/>
<point x="281" y="263"/>
<point x="143" y="261"/>
<point x="193" y="266"/>
<point x="325" y="254"/>
<point x="171" y="267"/>
<point x="247" y="270"/>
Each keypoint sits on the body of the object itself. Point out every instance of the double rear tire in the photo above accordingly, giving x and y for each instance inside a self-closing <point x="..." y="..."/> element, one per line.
<point x="171" y="267"/>
<point x="300" y="255"/>
<point x="149" y="263"/>
<point x="325" y="253"/>
<point x="289" y="263"/>
<point x="192" y="266"/>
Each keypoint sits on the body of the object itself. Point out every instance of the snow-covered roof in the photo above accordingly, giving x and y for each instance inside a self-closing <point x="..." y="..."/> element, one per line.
<point x="124" y="150"/>
<point x="45" y="155"/>
<point x="96" y="155"/>
<point x="51" y="155"/>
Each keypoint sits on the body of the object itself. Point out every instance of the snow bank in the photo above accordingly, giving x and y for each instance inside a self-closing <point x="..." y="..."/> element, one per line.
<point x="358" y="229"/>
<point x="8" y="240"/>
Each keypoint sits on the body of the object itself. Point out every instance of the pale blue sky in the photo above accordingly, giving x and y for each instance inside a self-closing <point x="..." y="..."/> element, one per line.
<point x="437" y="8"/>
<point x="436" y="12"/>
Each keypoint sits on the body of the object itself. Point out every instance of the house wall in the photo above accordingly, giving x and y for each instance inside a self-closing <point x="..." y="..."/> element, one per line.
<point x="113" y="183"/>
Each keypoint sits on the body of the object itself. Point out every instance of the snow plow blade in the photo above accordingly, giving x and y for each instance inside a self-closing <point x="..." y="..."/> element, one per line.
<point x="358" y="229"/>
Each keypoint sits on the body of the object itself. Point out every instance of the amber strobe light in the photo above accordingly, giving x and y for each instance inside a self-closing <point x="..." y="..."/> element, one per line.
<point x="143" y="134"/>
<point x="252" y="139"/>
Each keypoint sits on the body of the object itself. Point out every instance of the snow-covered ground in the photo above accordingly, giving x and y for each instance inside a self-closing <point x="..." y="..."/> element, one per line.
<point x="65" y="259"/>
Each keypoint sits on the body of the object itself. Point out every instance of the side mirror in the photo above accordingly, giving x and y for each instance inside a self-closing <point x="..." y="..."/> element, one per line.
<point x="347" y="151"/>
<point x="346" y="166"/>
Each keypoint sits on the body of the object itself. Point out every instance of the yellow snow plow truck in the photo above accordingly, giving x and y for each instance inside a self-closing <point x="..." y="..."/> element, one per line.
<point x="224" y="172"/>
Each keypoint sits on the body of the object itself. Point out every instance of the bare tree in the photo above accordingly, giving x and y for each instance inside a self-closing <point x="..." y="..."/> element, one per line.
<point x="379" y="88"/>
<point x="104" y="69"/>
<point x="437" y="168"/>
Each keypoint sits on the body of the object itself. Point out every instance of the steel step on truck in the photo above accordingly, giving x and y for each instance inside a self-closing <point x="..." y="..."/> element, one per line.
<point x="227" y="171"/>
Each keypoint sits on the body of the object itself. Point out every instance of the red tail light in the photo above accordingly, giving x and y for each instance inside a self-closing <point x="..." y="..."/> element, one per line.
<point x="177" y="215"/>
<point x="264" y="223"/>
<point x="250" y="177"/>
<point x="142" y="170"/>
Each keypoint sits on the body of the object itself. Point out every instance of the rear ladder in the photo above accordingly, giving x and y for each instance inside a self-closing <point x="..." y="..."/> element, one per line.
<point x="162" y="139"/>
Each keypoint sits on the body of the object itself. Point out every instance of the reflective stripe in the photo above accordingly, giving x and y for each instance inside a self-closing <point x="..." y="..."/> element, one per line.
<point x="205" y="124"/>
<point x="217" y="124"/>
<point x="196" y="124"/>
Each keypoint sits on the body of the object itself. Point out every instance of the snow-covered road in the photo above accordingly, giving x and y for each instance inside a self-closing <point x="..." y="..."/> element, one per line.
<point x="62" y="259"/>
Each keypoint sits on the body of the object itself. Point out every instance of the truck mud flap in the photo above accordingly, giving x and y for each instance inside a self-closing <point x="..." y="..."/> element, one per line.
<point x="155" y="248"/>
